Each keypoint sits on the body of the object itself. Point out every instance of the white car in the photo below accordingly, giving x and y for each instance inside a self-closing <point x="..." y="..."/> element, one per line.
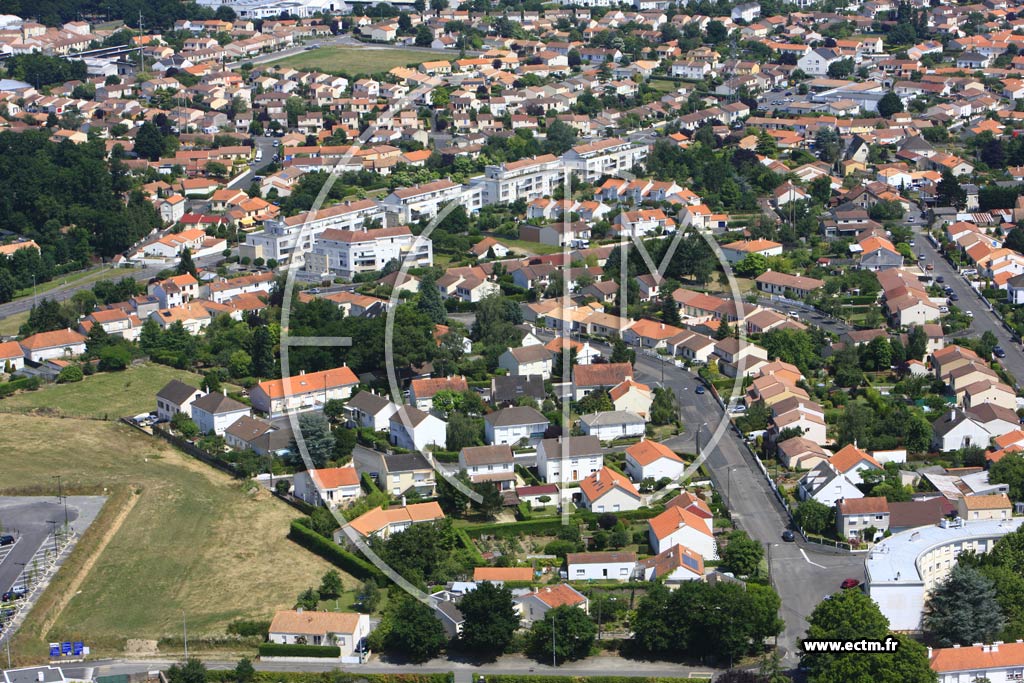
<point x="969" y="314"/>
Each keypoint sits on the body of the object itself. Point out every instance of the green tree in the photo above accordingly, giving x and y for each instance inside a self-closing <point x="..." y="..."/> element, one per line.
<point x="184" y="425"/>
<point x="239" y="364"/>
<point x="149" y="142"/>
<point x="330" y="585"/>
<point x="244" y="670"/>
<point x="463" y="430"/>
<point x="889" y="104"/>
<point x="949" y="192"/>
<point x="663" y="410"/>
<point x="560" y="137"/>
<point x="821" y="189"/>
<point x="963" y="609"/>
<point x="186" y="265"/>
<point x="670" y="311"/>
<point x="316" y="432"/>
<point x="430" y="302"/>
<point x="192" y="671"/>
<point x="621" y="352"/>
<point x="261" y="349"/>
<point x="490" y="617"/>
<point x="841" y="69"/>
<point x="814" y="517"/>
<point x="1009" y="470"/>
<point x="742" y="555"/>
<point x="308" y="600"/>
<point x="411" y="630"/>
<point x="571" y="630"/>
<point x="424" y="36"/>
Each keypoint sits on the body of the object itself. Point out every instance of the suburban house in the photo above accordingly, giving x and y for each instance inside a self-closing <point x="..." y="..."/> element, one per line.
<point x="998" y="662"/>
<point x="423" y="390"/>
<point x="12" y="357"/>
<point x="599" y="376"/>
<point x="499" y="575"/>
<point x="534" y="359"/>
<point x="673" y="565"/>
<point x="398" y="472"/>
<point x="608" y="566"/>
<point x="42" y="346"/>
<point x="244" y="433"/>
<point x="679" y="526"/>
<point x="610" y="425"/>
<point x="533" y="606"/>
<point x="852" y="462"/>
<point x="632" y="397"/>
<point x="958" y="429"/>
<point x="346" y="630"/>
<point x="489" y="463"/>
<point x="800" y="453"/>
<point x="176" y="397"/>
<point x="507" y="389"/>
<point x="982" y="507"/>
<point x="516" y="426"/>
<point x="367" y="409"/>
<point x="383" y="523"/>
<point x="332" y="486"/>
<point x="216" y="411"/>
<point x="827" y="486"/>
<point x="570" y="458"/>
<point x="652" y="460"/>
<point x="608" y="491"/>
<point x="302" y="392"/>
<point x="415" y="430"/>
<point x="855" y="515"/>
<point x="783" y="284"/>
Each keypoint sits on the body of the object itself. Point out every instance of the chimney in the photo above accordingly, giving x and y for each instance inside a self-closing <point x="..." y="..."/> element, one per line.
<point x="929" y="654"/>
<point x="403" y="500"/>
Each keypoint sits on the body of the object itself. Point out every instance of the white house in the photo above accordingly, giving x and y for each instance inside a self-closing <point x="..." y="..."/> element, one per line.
<point x="346" y="630"/>
<point x="957" y="429"/>
<point x="350" y="252"/>
<point x="567" y="459"/>
<point x="680" y="526"/>
<point x="533" y="606"/>
<point x="12" y="357"/>
<point x="414" y="429"/>
<point x="42" y="346"/>
<point x="331" y="486"/>
<point x="527" y="360"/>
<point x="997" y="662"/>
<point x="302" y="392"/>
<point x="652" y="460"/>
<point x="608" y="491"/>
<point x="176" y="397"/>
<point x="516" y="425"/>
<point x="609" y="566"/>
<point x="215" y="412"/>
<point x="489" y="463"/>
<point x="673" y="565"/>
<point x="827" y="486"/>
<point x="367" y="409"/>
<point x="613" y="424"/>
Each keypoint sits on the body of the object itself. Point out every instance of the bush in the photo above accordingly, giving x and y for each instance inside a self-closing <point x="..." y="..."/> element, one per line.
<point x="72" y="373"/>
<point x="278" y="650"/>
<point x="332" y="552"/>
<point x="523" y="509"/>
<point x="560" y="548"/>
<point x="249" y="627"/>
<point x="533" y="527"/>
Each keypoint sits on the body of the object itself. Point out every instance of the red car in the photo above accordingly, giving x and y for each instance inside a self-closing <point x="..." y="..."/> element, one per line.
<point x="849" y="583"/>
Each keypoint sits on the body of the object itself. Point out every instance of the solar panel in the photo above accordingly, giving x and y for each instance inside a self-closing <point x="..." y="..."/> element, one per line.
<point x="690" y="562"/>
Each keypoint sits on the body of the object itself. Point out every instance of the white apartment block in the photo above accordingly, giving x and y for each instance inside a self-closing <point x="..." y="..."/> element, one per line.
<point x="347" y="252"/>
<point x="527" y="179"/>
<point x="279" y="239"/>
<point x="426" y="201"/>
<point x="606" y="157"/>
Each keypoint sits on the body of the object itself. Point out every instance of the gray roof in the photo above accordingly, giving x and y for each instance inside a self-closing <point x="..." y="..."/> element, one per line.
<point x="51" y="674"/>
<point x="530" y="354"/>
<point x="511" y="387"/>
<point x="368" y="402"/>
<point x="450" y="611"/>
<point x="578" y="446"/>
<point x="247" y="428"/>
<point x="216" y="403"/>
<point x="521" y="415"/>
<point x="611" y="417"/>
<point x="176" y="392"/>
<point x="409" y="416"/>
<point x="487" y="455"/>
<point x="405" y="462"/>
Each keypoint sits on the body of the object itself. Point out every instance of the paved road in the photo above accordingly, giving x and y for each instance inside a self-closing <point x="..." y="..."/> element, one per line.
<point x="265" y="145"/>
<point x="971" y="300"/>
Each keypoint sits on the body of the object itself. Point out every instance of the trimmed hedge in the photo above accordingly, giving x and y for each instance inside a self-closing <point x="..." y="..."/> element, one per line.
<point x="368" y="484"/>
<point x="531" y="678"/>
<point x="335" y="676"/>
<point x="332" y="552"/>
<point x="524" y="511"/>
<point x="279" y="650"/>
<point x="539" y="527"/>
<point x="468" y="544"/>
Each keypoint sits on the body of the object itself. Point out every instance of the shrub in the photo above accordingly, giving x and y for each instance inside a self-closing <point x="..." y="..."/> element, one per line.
<point x="278" y="650"/>
<point x="332" y="552"/>
<point x="72" y="373"/>
<point x="249" y="627"/>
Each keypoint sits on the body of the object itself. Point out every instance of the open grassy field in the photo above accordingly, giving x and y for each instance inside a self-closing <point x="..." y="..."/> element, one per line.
<point x="355" y="60"/>
<point x="180" y="537"/>
<point x="10" y="324"/>
<point x="105" y="395"/>
<point x="528" y="248"/>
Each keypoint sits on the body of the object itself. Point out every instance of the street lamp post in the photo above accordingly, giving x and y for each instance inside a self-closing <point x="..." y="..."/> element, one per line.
<point x="53" y="528"/>
<point x="554" y="657"/>
<point x="184" y="628"/>
<point x="61" y="497"/>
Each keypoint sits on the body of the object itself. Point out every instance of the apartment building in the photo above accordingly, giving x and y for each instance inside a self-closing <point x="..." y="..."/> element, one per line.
<point x="347" y="252"/>
<point x="591" y="161"/>
<point x="527" y="179"/>
<point x="426" y="201"/>
<point x="279" y="239"/>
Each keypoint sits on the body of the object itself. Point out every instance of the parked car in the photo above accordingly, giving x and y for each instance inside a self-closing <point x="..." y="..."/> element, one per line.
<point x="6" y="539"/>
<point x="940" y="279"/>
<point x="699" y="389"/>
<point x="16" y="593"/>
<point x="849" y="583"/>
<point x="929" y="267"/>
<point x="788" y="536"/>
<point x="998" y="352"/>
<point x="954" y="296"/>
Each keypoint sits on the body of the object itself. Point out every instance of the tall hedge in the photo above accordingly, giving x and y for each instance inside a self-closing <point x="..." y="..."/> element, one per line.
<point x="468" y="544"/>
<point x="332" y="552"/>
<point x="280" y="650"/>
<point x="540" y="527"/>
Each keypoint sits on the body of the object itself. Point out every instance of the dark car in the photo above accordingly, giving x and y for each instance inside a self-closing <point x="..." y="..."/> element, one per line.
<point x="699" y="390"/>
<point x="940" y="279"/>
<point x="954" y="297"/>
<point x="6" y="539"/>
<point x="849" y="583"/>
<point x="998" y="352"/>
<point x="788" y="536"/>
<point x="16" y="593"/>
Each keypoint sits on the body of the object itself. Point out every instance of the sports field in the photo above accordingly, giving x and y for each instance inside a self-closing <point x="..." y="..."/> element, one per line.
<point x="175" y="539"/>
<point x="359" y="60"/>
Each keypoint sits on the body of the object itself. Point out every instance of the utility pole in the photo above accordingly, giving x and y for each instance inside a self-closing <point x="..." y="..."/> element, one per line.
<point x="184" y="627"/>
<point x="53" y="528"/>
<point x="554" y="658"/>
<point x="62" y="497"/>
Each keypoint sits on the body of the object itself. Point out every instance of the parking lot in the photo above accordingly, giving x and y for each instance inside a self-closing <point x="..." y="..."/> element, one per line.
<point x="29" y="519"/>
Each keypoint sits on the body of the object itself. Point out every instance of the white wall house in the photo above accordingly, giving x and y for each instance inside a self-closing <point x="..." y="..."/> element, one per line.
<point x="176" y="397"/>
<point x="350" y="252"/>
<point x="652" y="460"/>
<point x="610" y="566"/>
<point x="343" y="629"/>
<point x="678" y="526"/>
<point x="613" y="424"/>
<point x="489" y="463"/>
<point x="568" y="459"/>
<point x="367" y="409"/>
<point x="215" y="412"/>
<point x="608" y="491"/>
<point x="415" y="430"/>
<point x="331" y="486"/>
<point x="514" y="426"/>
<point x="605" y="157"/>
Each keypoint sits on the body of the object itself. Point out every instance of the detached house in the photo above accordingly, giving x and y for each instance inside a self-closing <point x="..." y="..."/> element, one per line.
<point x="306" y="391"/>
<point x="608" y="491"/>
<point x="332" y="486"/>
<point x="652" y="460"/>
<point x="608" y="566"/>
<point x="567" y="459"/>
<point x="415" y="430"/>
<point x="533" y="606"/>
<point x="346" y="630"/>
<point x="489" y="463"/>
<point x="854" y="516"/>
<point x="680" y="526"/>
<point x="514" y="426"/>
<point x="367" y="409"/>
<point x="215" y="412"/>
<point x="42" y="346"/>
<point x="534" y="359"/>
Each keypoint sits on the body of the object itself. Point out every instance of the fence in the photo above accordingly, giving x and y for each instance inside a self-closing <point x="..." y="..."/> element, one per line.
<point x="193" y="450"/>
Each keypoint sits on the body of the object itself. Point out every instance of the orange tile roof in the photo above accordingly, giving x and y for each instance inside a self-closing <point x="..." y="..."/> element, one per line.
<point x="10" y="350"/>
<point x="654" y="329"/>
<point x="862" y="506"/>
<point x="314" y="623"/>
<point x="646" y="452"/>
<point x="850" y="455"/>
<point x="336" y="477"/>
<point x="379" y="518"/>
<point x="502" y="574"/>
<point x="48" y="340"/>
<point x="995" y="501"/>
<point x="311" y="381"/>
<point x="676" y="518"/>
<point x="622" y="388"/>
<point x="977" y="657"/>
<point x="425" y="388"/>
<point x="604" y="481"/>
<point x="558" y="595"/>
<point x="691" y="502"/>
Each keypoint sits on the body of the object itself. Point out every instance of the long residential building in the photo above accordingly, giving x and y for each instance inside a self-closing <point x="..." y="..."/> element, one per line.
<point x="527" y="179"/>
<point x="348" y="252"/>
<point x="426" y="201"/>
<point x="279" y="239"/>
<point x="605" y="157"/>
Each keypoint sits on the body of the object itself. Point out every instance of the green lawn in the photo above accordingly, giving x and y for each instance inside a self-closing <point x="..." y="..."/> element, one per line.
<point x="194" y="541"/>
<point x="10" y="324"/>
<point x="529" y="248"/>
<point x="81" y="276"/>
<point x="353" y="60"/>
<point x="105" y="395"/>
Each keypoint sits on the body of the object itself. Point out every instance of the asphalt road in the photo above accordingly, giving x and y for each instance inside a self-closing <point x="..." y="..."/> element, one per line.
<point x="265" y="145"/>
<point x="970" y="300"/>
<point x="27" y="519"/>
